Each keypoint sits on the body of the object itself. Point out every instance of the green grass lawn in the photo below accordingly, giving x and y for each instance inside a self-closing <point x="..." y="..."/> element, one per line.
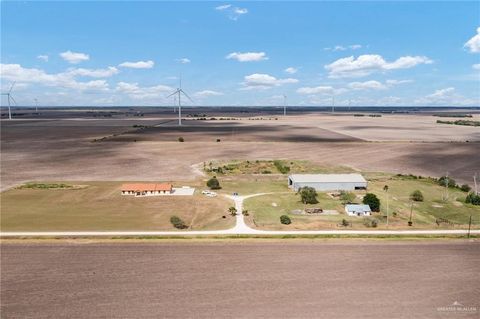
<point x="99" y="206"/>
<point x="265" y="211"/>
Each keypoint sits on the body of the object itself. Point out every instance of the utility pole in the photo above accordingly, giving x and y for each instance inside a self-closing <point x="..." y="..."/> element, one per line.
<point x="410" y="223"/>
<point x="446" y="187"/>
<point x="469" y="226"/>
<point x="385" y="188"/>
<point x="333" y="104"/>
<point x="36" y="106"/>
<point x="475" y="182"/>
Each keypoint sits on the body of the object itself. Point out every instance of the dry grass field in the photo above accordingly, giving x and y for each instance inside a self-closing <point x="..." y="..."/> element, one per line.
<point x="99" y="206"/>
<point x="59" y="144"/>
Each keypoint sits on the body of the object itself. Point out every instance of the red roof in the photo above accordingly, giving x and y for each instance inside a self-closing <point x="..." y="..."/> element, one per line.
<point x="140" y="187"/>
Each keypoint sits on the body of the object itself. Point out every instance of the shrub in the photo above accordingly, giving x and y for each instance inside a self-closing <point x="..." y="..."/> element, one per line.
<point x="284" y="219"/>
<point x="370" y="222"/>
<point x="444" y="180"/>
<point x="218" y="140"/>
<point x="180" y="139"/>
<point x="281" y="168"/>
<point x="177" y="222"/>
<point x="372" y="200"/>
<point x="345" y="223"/>
<point x="473" y="199"/>
<point x="245" y="212"/>
<point x="213" y="183"/>
<point x="308" y="195"/>
<point x="465" y="188"/>
<point x="416" y="196"/>
<point x="232" y="210"/>
<point x="347" y="197"/>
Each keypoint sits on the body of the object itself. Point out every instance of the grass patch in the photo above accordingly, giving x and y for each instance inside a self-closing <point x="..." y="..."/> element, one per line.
<point x="460" y="122"/>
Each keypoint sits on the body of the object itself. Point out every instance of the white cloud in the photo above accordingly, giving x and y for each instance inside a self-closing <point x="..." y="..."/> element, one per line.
<point x="15" y="72"/>
<point x="74" y="57"/>
<point x="264" y="81"/>
<point x="316" y="90"/>
<point x="474" y="43"/>
<point x="368" y="85"/>
<point x="476" y="66"/>
<point x="291" y="70"/>
<point x="233" y="13"/>
<point x="396" y="82"/>
<point x="207" y="93"/>
<point x="247" y="56"/>
<point x="43" y="57"/>
<point x="134" y="91"/>
<point x="138" y="65"/>
<point x="183" y="60"/>
<point x="343" y="48"/>
<point x="370" y="63"/>
<point x="446" y="97"/>
<point x="97" y="73"/>
<point x="223" y="7"/>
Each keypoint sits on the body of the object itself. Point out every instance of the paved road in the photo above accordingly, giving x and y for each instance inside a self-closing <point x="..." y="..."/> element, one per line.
<point x="293" y="279"/>
<point x="240" y="228"/>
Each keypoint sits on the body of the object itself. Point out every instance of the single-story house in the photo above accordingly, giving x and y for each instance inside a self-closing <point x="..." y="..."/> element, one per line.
<point x="327" y="182"/>
<point x="140" y="189"/>
<point x="358" y="210"/>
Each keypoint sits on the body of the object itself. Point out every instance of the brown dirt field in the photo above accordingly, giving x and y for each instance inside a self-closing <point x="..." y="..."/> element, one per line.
<point x="319" y="279"/>
<point x="62" y="149"/>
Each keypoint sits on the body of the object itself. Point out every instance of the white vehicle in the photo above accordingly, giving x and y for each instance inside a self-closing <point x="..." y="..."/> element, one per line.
<point x="206" y="192"/>
<point x="212" y="194"/>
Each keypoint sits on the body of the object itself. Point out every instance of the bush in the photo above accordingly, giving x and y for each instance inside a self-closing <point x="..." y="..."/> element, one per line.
<point x="370" y="222"/>
<point x="473" y="199"/>
<point x="177" y="222"/>
<point x="232" y="210"/>
<point x="345" y="223"/>
<point x="245" y="212"/>
<point x="218" y="140"/>
<point x="180" y="139"/>
<point x="466" y="188"/>
<point x="281" y="168"/>
<point x="284" y="219"/>
<point x="308" y="195"/>
<point x="416" y="196"/>
<point x="372" y="200"/>
<point x="347" y="197"/>
<point x="213" y="183"/>
<point x="444" y="180"/>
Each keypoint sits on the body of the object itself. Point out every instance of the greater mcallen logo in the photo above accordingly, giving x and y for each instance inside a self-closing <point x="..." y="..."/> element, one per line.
<point x="458" y="307"/>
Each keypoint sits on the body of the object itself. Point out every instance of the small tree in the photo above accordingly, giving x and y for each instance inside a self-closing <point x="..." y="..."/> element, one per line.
<point x="465" y="188"/>
<point x="416" y="196"/>
<point x="177" y="222"/>
<point x="180" y="139"/>
<point x="447" y="181"/>
<point x="284" y="219"/>
<point x="245" y="212"/>
<point x="213" y="183"/>
<point x="347" y="197"/>
<point x="473" y="199"/>
<point x="372" y="200"/>
<point x="232" y="210"/>
<point x="345" y="223"/>
<point x="308" y="195"/>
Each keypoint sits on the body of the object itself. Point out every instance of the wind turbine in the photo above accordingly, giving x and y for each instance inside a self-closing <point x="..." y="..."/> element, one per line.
<point x="333" y="103"/>
<point x="284" y="105"/>
<point x="36" y="105"/>
<point x="9" y="97"/>
<point x="179" y="93"/>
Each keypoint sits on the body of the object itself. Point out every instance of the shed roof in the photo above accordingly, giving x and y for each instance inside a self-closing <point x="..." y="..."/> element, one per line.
<point x="327" y="178"/>
<point x="357" y="208"/>
<point x="141" y="187"/>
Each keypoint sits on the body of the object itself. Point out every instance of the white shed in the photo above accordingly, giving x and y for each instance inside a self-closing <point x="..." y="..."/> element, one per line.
<point x="358" y="210"/>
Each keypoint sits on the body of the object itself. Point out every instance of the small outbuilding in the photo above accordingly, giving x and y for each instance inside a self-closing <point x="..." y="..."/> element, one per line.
<point x="358" y="210"/>
<point x="327" y="182"/>
<point x="140" y="189"/>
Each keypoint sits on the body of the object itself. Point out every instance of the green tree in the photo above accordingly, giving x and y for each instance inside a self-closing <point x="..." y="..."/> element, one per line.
<point x="473" y="199"/>
<point x="347" y="197"/>
<point x="372" y="200"/>
<point x="416" y="196"/>
<point x="444" y="181"/>
<point x="232" y="210"/>
<point x="181" y="139"/>
<point x="213" y="183"/>
<point x="284" y="219"/>
<point x="308" y="195"/>
<point x="465" y="188"/>
<point x="177" y="222"/>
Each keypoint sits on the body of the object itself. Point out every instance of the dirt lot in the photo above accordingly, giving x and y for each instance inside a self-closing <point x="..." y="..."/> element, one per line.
<point x="62" y="148"/>
<point x="296" y="279"/>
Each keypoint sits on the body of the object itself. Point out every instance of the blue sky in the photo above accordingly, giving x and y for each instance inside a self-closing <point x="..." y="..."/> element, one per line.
<point x="242" y="53"/>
